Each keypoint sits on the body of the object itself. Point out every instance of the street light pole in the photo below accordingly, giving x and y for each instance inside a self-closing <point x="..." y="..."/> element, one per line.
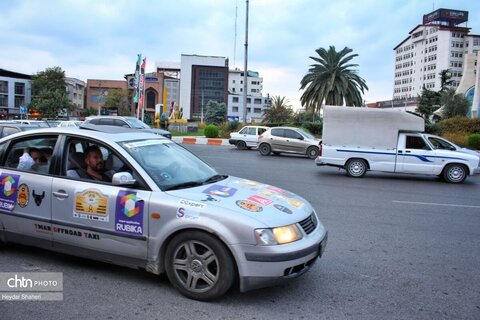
<point x="245" y="68"/>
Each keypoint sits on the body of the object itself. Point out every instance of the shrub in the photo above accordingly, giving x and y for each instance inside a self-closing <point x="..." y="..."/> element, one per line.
<point x="433" y="128"/>
<point x="202" y="126"/>
<point x="458" y="138"/>
<point x="474" y="141"/>
<point x="315" y="127"/>
<point x="460" y="125"/>
<point x="211" y="131"/>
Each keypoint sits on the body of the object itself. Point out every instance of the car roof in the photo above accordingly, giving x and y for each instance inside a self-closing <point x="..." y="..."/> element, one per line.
<point x="19" y="125"/>
<point x="104" y="133"/>
<point x="113" y="117"/>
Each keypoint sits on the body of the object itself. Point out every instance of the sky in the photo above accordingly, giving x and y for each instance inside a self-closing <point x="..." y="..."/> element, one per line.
<point x="100" y="39"/>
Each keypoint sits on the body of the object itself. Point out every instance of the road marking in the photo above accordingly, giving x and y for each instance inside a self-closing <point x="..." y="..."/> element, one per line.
<point x="436" y="204"/>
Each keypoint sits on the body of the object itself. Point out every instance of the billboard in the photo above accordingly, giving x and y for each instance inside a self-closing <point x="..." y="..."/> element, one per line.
<point x="453" y="17"/>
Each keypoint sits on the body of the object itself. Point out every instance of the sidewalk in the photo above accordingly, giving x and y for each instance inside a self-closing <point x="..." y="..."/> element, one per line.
<point x="201" y="140"/>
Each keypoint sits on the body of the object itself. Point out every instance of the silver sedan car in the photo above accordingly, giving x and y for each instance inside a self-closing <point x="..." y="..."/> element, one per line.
<point x="157" y="207"/>
<point x="288" y="140"/>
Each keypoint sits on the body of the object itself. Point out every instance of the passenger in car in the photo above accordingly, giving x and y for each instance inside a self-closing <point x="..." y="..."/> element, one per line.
<point x="30" y="160"/>
<point x="95" y="165"/>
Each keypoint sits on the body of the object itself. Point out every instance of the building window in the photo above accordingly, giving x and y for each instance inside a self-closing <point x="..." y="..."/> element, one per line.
<point x="151" y="97"/>
<point x="3" y="100"/>
<point x="249" y="100"/>
<point x="19" y="88"/>
<point x="235" y="99"/>
<point x="4" y="87"/>
<point x="234" y="109"/>
<point x="257" y="110"/>
<point x="19" y="101"/>
<point x="257" y="101"/>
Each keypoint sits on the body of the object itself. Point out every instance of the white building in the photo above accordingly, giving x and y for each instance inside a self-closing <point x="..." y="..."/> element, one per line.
<point x="15" y="91"/>
<point x="203" y="78"/>
<point x="76" y="92"/>
<point x="256" y="103"/>
<point x="438" y="44"/>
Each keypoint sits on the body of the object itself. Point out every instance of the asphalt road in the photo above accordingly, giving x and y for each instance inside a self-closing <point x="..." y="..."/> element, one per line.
<point x="400" y="247"/>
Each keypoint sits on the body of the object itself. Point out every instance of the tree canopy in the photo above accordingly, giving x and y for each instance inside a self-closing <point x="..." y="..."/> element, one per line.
<point x="454" y="104"/>
<point x="216" y="112"/>
<point x="331" y="80"/>
<point x="279" y="112"/>
<point x="49" y="94"/>
<point x="118" y="99"/>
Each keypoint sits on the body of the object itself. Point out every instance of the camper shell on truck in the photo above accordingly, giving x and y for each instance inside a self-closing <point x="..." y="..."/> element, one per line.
<point x="362" y="139"/>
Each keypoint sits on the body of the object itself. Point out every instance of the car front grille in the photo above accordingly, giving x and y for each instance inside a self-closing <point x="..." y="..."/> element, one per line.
<point x="309" y="224"/>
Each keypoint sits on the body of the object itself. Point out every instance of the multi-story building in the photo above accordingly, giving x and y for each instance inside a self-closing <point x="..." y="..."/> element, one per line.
<point x="256" y="103"/>
<point x="15" y="92"/>
<point x="76" y="94"/>
<point x="97" y="92"/>
<point x="438" y="44"/>
<point x="203" y="79"/>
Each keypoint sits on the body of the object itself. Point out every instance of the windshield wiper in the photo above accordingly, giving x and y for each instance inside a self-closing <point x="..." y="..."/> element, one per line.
<point x="189" y="184"/>
<point x="215" y="178"/>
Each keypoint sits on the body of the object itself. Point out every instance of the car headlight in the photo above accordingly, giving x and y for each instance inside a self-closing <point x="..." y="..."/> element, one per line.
<point x="278" y="235"/>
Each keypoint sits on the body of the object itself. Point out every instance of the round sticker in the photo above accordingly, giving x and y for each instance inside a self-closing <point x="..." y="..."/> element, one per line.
<point x="23" y="195"/>
<point x="248" y="205"/>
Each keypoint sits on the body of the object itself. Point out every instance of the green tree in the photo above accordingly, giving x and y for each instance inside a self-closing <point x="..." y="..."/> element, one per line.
<point x="88" y="112"/>
<point x="216" y="113"/>
<point x="332" y="80"/>
<point x="454" y="104"/>
<point x="445" y="79"/>
<point x="49" y="94"/>
<point x="428" y="103"/>
<point x="118" y="99"/>
<point x="279" y="112"/>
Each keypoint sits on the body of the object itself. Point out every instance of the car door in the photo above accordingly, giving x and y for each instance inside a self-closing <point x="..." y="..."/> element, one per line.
<point x="294" y="141"/>
<point x="108" y="221"/>
<point x="277" y="139"/>
<point x="416" y="156"/>
<point x="25" y="195"/>
<point x="251" y="137"/>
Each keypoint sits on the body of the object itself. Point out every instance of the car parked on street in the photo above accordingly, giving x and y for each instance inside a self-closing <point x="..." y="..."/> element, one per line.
<point x="70" y="123"/>
<point x="126" y="122"/>
<point x="288" y="140"/>
<point x="161" y="209"/>
<point x="7" y="128"/>
<point x="247" y="137"/>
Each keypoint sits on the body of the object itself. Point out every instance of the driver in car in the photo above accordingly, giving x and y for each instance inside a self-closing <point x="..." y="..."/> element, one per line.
<point x="95" y="165"/>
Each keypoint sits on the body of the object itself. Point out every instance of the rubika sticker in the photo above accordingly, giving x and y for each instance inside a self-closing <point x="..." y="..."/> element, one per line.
<point x="8" y="192"/>
<point x="221" y="191"/>
<point x="23" y="195"/>
<point x="129" y="213"/>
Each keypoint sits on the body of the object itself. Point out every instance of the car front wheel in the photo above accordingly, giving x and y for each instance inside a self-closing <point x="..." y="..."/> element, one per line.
<point x="199" y="265"/>
<point x="312" y="152"/>
<point x="241" y="145"/>
<point x="264" y="149"/>
<point x="455" y="173"/>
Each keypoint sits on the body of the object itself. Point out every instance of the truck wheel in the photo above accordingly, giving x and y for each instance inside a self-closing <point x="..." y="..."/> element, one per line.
<point x="356" y="168"/>
<point x="312" y="152"/>
<point x="455" y="173"/>
<point x="241" y="145"/>
<point x="264" y="149"/>
<point x="199" y="265"/>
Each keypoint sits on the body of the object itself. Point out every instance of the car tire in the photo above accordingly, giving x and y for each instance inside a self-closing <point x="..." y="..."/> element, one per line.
<point x="241" y="145"/>
<point x="264" y="149"/>
<point x="455" y="173"/>
<point x="356" y="168"/>
<point x="312" y="152"/>
<point x="199" y="265"/>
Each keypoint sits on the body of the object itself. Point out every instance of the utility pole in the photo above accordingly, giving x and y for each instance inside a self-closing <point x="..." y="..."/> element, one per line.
<point x="201" y="117"/>
<point x="245" y="68"/>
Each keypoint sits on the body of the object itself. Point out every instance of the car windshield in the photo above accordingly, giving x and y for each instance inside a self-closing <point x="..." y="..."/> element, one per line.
<point x="170" y="165"/>
<point x="137" y="124"/>
<point x="306" y="134"/>
<point x="440" y="143"/>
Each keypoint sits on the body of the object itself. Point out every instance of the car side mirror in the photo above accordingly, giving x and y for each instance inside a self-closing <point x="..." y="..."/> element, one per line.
<point x="123" y="179"/>
<point x="301" y="138"/>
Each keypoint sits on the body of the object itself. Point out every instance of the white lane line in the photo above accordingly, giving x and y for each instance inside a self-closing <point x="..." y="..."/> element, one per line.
<point x="436" y="204"/>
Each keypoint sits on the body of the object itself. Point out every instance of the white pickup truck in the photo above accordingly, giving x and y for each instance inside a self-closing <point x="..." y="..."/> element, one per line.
<point x="362" y="139"/>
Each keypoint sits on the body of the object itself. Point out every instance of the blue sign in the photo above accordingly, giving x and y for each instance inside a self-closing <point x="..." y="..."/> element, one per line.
<point x="23" y="110"/>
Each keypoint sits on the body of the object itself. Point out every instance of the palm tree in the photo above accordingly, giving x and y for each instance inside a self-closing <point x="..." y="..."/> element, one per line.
<point x="332" y="81"/>
<point x="279" y="112"/>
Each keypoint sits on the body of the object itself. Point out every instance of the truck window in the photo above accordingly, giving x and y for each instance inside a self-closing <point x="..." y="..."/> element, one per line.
<point x="416" y="142"/>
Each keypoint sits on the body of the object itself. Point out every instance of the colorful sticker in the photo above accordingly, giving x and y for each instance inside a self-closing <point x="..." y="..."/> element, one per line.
<point x="210" y="198"/>
<point x="23" y="195"/>
<point x="271" y="193"/>
<point x="295" y="202"/>
<point x="8" y="193"/>
<point x="38" y="197"/>
<point x="278" y="190"/>
<point x="91" y="204"/>
<point x="129" y="213"/>
<point x="248" y="205"/>
<point x="263" y="201"/>
<point x="249" y="183"/>
<point x="220" y="191"/>
<point x="193" y="204"/>
<point x="282" y="208"/>
<point x="187" y="214"/>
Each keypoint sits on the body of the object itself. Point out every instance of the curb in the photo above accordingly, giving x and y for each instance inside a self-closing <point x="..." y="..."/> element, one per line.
<point x="195" y="140"/>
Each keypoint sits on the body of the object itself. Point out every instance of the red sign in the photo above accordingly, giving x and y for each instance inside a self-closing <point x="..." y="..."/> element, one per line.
<point x="263" y="201"/>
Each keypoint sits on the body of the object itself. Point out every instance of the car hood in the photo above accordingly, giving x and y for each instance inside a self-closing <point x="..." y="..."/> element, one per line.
<point x="157" y="131"/>
<point x="267" y="204"/>
<point x="469" y="151"/>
